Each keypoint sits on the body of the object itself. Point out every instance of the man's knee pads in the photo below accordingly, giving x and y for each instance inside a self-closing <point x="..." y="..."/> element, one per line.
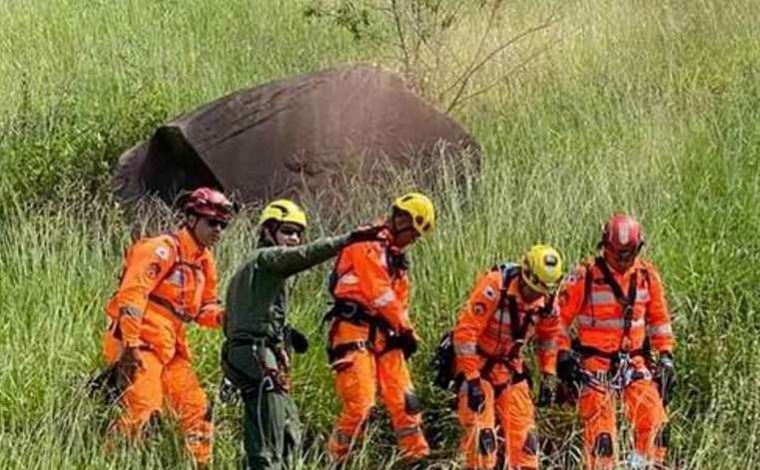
<point x="603" y="445"/>
<point x="486" y="441"/>
<point x="530" y="446"/>
<point x="412" y="404"/>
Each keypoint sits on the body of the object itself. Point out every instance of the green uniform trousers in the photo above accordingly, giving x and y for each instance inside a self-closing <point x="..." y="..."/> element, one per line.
<point x="271" y="429"/>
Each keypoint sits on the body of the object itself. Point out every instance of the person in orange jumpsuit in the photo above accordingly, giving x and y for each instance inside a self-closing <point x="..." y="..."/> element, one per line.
<point x="167" y="281"/>
<point x="617" y="303"/>
<point x="371" y="335"/>
<point x="509" y="306"/>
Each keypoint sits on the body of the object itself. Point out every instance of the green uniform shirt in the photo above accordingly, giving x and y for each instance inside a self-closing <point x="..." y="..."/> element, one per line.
<point x="257" y="299"/>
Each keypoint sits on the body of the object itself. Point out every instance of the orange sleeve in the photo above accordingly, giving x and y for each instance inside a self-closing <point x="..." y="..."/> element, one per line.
<point x="569" y="302"/>
<point x="368" y="260"/>
<point x="211" y="314"/>
<point x="148" y="262"/>
<point x="473" y="318"/>
<point x="548" y="331"/>
<point x="659" y="328"/>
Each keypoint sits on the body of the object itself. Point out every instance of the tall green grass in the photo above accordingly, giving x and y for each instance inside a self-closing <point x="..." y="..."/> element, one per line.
<point x="648" y="107"/>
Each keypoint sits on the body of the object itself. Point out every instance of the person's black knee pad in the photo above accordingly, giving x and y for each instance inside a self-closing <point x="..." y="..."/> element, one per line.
<point x="662" y="439"/>
<point x="412" y="404"/>
<point x="486" y="441"/>
<point x="530" y="446"/>
<point x="603" y="445"/>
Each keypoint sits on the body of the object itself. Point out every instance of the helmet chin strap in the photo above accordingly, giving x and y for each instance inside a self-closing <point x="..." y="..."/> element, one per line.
<point x="191" y="228"/>
<point x="269" y="233"/>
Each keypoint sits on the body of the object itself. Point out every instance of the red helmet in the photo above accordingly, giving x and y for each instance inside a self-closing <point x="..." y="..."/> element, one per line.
<point x="622" y="237"/>
<point x="207" y="202"/>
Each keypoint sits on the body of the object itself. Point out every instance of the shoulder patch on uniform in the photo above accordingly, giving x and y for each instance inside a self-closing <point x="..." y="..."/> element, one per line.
<point x="162" y="252"/>
<point x="152" y="270"/>
<point x="575" y="275"/>
<point x="479" y="308"/>
<point x="490" y="293"/>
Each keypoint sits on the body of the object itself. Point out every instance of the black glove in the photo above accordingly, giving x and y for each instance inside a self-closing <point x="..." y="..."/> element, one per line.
<point x="296" y="340"/>
<point x="666" y="377"/>
<point x="124" y="373"/>
<point x="546" y="390"/>
<point x="566" y="394"/>
<point x="568" y="368"/>
<point x="408" y="341"/>
<point x="475" y="396"/>
<point x="107" y="384"/>
<point x="129" y="363"/>
<point x="365" y="234"/>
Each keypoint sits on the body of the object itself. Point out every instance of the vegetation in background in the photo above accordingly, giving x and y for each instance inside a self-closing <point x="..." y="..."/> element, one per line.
<point x="651" y="107"/>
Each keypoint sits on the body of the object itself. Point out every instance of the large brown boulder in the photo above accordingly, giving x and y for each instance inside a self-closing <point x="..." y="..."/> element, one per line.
<point x="299" y="133"/>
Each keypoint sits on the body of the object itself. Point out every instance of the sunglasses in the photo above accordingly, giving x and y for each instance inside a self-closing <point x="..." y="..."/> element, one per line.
<point x="214" y="223"/>
<point x="290" y="231"/>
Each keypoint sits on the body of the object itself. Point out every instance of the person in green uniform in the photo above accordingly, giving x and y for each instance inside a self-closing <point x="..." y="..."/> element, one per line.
<point x="259" y="340"/>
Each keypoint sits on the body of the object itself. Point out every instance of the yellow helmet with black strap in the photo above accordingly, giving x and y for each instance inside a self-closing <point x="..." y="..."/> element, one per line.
<point x="542" y="268"/>
<point x="420" y="208"/>
<point x="283" y="211"/>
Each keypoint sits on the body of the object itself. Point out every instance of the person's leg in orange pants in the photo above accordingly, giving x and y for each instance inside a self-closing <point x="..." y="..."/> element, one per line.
<point x="514" y="407"/>
<point x="188" y="400"/>
<point x="597" y="411"/>
<point x="397" y="393"/>
<point x="356" y="386"/>
<point x="143" y="398"/>
<point x="644" y="410"/>
<point x="478" y="443"/>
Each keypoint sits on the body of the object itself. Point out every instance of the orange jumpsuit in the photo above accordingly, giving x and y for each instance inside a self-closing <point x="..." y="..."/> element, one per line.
<point x="600" y="322"/>
<point x="365" y="276"/>
<point x="483" y="343"/>
<point x="167" y="281"/>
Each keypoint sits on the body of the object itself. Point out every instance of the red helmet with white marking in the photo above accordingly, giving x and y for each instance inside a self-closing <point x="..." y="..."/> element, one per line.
<point x="622" y="238"/>
<point x="210" y="203"/>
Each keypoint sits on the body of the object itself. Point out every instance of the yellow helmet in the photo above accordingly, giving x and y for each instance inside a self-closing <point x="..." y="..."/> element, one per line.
<point x="420" y="207"/>
<point x="542" y="268"/>
<point x="283" y="210"/>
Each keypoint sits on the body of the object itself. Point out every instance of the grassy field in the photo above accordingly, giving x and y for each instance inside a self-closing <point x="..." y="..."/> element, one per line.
<point x="651" y="107"/>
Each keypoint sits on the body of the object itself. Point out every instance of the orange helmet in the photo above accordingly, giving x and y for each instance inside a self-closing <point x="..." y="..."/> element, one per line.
<point x="208" y="202"/>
